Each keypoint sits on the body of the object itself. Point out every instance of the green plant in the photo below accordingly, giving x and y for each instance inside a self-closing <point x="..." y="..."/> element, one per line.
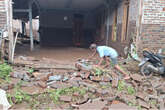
<point x="5" y="71"/>
<point x="98" y="72"/>
<point x="121" y="85"/>
<point x="31" y="70"/>
<point x="130" y="90"/>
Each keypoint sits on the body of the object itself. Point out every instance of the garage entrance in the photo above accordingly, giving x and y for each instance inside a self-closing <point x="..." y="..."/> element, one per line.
<point x="67" y="22"/>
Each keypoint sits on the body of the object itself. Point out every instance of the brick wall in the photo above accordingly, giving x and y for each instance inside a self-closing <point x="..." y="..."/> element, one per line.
<point x="153" y="24"/>
<point x="2" y="14"/>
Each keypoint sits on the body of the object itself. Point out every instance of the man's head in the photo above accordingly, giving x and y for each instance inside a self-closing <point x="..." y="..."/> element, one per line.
<point x="93" y="47"/>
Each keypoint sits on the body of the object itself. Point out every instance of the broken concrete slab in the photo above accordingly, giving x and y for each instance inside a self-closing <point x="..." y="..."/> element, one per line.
<point x="66" y="98"/>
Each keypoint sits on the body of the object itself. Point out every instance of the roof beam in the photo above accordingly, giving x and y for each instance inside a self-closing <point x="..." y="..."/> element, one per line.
<point x="21" y="10"/>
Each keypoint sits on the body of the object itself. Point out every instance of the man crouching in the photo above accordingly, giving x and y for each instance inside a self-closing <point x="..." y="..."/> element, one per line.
<point x="108" y="54"/>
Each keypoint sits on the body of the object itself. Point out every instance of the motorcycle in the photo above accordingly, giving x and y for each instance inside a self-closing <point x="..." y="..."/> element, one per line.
<point x="152" y="63"/>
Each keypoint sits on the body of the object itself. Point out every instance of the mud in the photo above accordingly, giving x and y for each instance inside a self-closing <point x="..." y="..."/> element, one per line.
<point x="60" y="54"/>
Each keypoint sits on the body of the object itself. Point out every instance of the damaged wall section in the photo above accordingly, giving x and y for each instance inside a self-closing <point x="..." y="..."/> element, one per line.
<point x="153" y="25"/>
<point x="122" y="28"/>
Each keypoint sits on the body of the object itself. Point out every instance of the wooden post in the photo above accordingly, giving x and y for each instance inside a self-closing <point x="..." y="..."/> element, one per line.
<point x="31" y="27"/>
<point x="108" y="22"/>
<point x="10" y="30"/>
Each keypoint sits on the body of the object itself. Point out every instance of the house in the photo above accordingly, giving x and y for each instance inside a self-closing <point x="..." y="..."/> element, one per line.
<point x="107" y="22"/>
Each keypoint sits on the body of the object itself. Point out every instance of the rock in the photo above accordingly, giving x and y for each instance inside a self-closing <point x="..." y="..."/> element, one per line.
<point x="92" y="90"/>
<point x="121" y="106"/>
<point x="43" y="76"/>
<point x="137" y="77"/>
<point x="3" y="100"/>
<point x="95" y="78"/>
<point x="143" y="104"/>
<point x="66" y="98"/>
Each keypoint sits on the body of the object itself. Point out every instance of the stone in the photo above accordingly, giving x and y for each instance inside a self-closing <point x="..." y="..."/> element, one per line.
<point x="66" y="98"/>
<point x="137" y="77"/>
<point x="26" y="77"/>
<point x="143" y="104"/>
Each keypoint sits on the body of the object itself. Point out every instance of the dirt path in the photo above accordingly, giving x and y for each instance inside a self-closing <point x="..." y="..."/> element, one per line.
<point x="60" y="54"/>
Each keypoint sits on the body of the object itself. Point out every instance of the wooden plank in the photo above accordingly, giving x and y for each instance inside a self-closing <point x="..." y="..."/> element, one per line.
<point x="124" y="21"/>
<point x="10" y="15"/>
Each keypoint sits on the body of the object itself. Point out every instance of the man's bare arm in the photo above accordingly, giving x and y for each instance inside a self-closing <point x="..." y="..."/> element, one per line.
<point x="100" y="62"/>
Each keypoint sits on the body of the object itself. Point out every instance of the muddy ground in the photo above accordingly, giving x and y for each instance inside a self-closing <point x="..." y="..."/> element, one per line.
<point x="48" y="79"/>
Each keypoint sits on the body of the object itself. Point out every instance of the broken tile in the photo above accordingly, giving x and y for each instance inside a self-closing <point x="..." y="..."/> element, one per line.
<point x="59" y="85"/>
<point x="115" y="82"/>
<point x="95" y="78"/>
<point x="87" y="74"/>
<point x="66" y="98"/>
<point x="84" y="100"/>
<point x="143" y="96"/>
<point x="137" y="77"/>
<point x="94" y="105"/>
<point x="32" y="90"/>
<point x="42" y="84"/>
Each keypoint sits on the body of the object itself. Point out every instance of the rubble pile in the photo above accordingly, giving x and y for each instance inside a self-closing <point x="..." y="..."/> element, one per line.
<point x="87" y="87"/>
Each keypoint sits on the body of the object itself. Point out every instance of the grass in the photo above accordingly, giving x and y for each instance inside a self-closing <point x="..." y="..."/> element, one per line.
<point x="121" y="85"/>
<point x="5" y="70"/>
<point x="130" y="90"/>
